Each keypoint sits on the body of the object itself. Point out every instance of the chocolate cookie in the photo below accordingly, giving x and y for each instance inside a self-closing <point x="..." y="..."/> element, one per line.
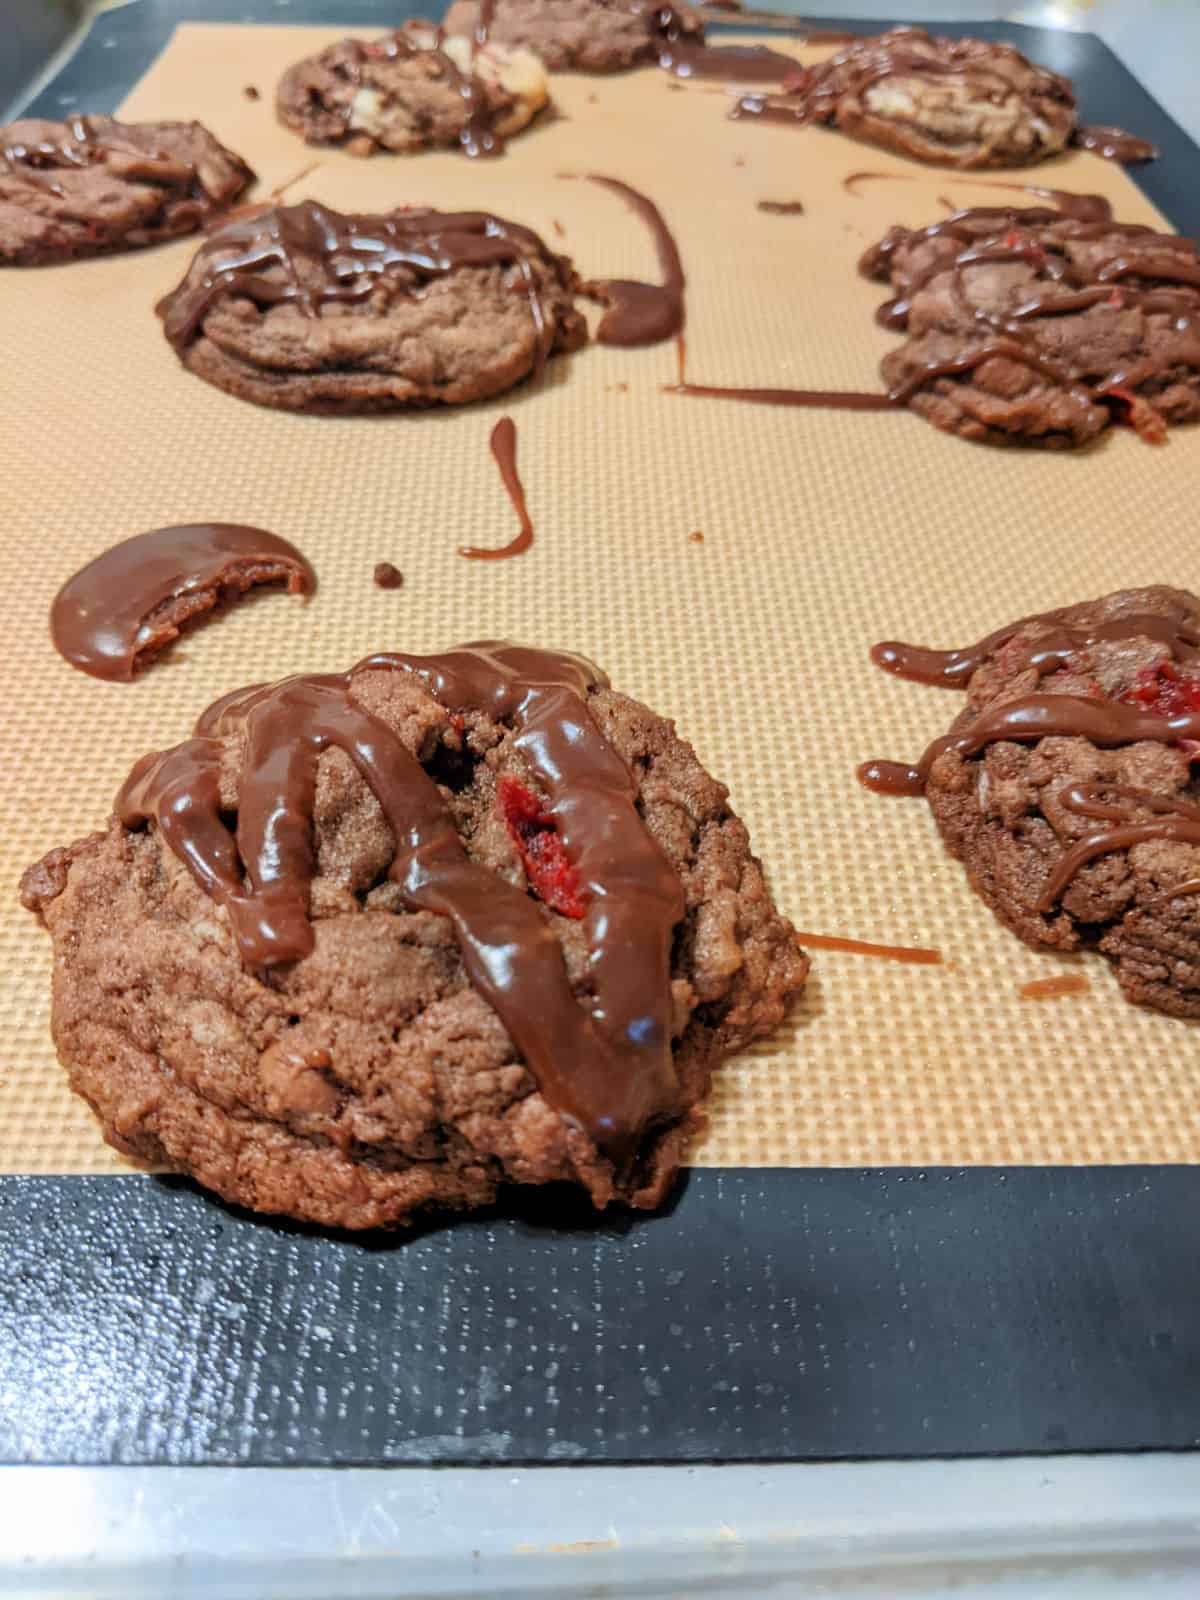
<point x="411" y="90"/>
<point x="956" y="102"/>
<point x="303" y="308"/>
<point x="1066" y="786"/>
<point x="91" y="185"/>
<point x="381" y="941"/>
<point x="577" y="35"/>
<point x="1036" y="327"/>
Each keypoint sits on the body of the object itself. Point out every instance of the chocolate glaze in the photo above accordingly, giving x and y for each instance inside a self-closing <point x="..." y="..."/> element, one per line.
<point x="911" y="954"/>
<point x="1036" y="716"/>
<point x="479" y="135"/>
<point x="503" y="443"/>
<point x="309" y="256"/>
<point x="642" y="313"/>
<point x="952" y="669"/>
<point x="606" y="1067"/>
<point x="124" y="607"/>
<point x="727" y="63"/>
<point x="386" y="576"/>
<point x="1165" y="266"/>
<point x="811" y="95"/>
<point x="782" y="208"/>
<point x="1114" y="144"/>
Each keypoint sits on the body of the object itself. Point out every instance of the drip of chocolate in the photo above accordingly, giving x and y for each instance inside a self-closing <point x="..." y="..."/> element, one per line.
<point x="386" y="576"/>
<point x="823" y="399"/>
<point x="912" y="955"/>
<point x="504" y="452"/>
<point x="28" y="161"/>
<point x="1079" y="207"/>
<point x="606" y="1066"/>
<point x="1055" y="988"/>
<point x="1031" y="717"/>
<point x="309" y="256"/>
<point x="782" y="208"/>
<point x="641" y="313"/>
<point x="728" y="63"/>
<point x="126" y="606"/>
<point x="1114" y="144"/>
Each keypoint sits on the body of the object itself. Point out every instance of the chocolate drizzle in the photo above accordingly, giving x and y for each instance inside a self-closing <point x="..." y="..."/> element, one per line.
<point x="478" y="135"/>
<point x="1114" y="144"/>
<point x="1164" y="269"/>
<point x="1045" y="644"/>
<point x="641" y="313"/>
<point x="29" y="162"/>
<point x="127" y="605"/>
<point x="812" y="93"/>
<point x="309" y="256"/>
<point x="1079" y="207"/>
<point x="503" y="443"/>
<point x="606" y="1066"/>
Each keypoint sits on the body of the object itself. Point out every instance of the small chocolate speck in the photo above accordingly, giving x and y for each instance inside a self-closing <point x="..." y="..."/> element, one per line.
<point x="593" y="99"/>
<point x="558" y="228"/>
<point x="782" y="208"/>
<point x="387" y="576"/>
<point x="739" y="161"/>
<point x="696" y="538"/>
<point x="251" y="92"/>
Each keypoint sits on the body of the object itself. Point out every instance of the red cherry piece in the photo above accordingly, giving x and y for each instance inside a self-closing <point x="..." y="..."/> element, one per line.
<point x="1164" y="691"/>
<point x="551" y="876"/>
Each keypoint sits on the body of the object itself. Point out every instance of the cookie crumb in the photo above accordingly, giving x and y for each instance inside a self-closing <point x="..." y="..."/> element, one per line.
<point x="696" y="538"/>
<point x="387" y="576"/>
<point x="251" y="92"/>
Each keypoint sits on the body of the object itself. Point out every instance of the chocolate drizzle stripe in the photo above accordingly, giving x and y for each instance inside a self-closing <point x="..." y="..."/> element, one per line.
<point x="1053" y="644"/>
<point x="503" y="444"/>
<point x="127" y="604"/>
<point x="309" y="256"/>
<point x="607" y="1068"/>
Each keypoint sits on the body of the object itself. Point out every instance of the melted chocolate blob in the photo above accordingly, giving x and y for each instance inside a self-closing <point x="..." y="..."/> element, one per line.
<point x="642" y="313"/>
<point x="1114" y="144"/>
<point x="727" y="63"/>
<point x="386" y="576"/>
<point x="1055" y="988"/>
<point x="124" y="608"/>
<point x="309" y="256"/>
<point x="504" y="451"/>
<point x="1036" y="716"/>
<point x="606" y="1066"/>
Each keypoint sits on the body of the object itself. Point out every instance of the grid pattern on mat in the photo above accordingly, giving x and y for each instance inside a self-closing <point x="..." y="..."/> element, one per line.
<point x="822" y="532"/>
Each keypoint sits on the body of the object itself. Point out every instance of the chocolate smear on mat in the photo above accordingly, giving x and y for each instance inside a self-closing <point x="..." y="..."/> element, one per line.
<point x="503" y="444"/>
<point x="641" y="313"/>
<point x="124" y="608"/>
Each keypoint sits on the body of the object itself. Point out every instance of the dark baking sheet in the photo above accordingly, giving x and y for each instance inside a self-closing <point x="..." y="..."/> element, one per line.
<point x="784" y="1314"/>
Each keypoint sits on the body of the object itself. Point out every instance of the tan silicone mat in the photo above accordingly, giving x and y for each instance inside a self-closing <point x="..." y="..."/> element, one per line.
<point x="822" y="532"/>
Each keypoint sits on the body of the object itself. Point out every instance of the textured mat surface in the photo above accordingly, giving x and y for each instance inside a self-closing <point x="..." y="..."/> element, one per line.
<point x="822" y="532"/>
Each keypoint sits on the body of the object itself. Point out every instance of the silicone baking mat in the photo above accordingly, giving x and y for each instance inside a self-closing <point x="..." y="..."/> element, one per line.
<point x="821" y="533"/>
